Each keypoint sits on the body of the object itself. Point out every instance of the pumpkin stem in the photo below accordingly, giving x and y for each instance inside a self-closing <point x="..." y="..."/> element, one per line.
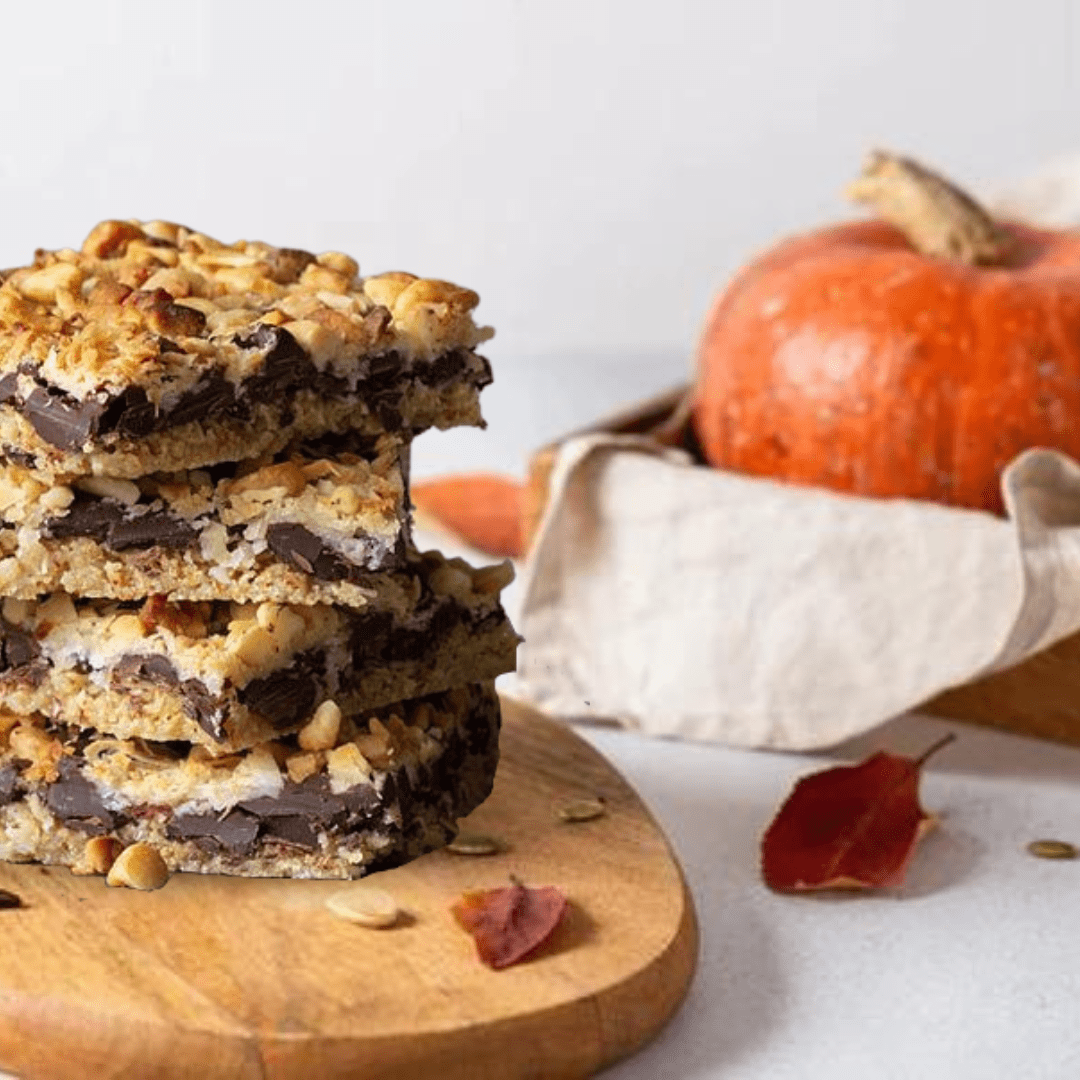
<point x="936" y="216"/>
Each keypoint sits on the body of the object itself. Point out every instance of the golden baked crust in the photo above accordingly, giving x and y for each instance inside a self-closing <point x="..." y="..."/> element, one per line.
<point x="157" y="305"/>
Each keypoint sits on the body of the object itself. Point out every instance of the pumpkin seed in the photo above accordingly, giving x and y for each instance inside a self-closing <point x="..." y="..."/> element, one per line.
<point x="1053" y="849"/>
<point x="364" y="905"/>
<point x="474" y="844"/>
<point x="582" y="810"/>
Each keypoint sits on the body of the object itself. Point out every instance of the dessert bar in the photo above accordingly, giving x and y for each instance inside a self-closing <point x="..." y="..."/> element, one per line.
<point x="308" y="526"/>
<point x="390" y="788"/>
<point x="228" y="675"/>
<point x="155" y="347"/>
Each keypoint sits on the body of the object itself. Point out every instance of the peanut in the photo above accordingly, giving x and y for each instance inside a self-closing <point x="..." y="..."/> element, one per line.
<point x="138" y="867"/>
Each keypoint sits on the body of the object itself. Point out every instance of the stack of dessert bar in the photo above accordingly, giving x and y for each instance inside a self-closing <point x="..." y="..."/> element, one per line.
<point x="216" y="635"/>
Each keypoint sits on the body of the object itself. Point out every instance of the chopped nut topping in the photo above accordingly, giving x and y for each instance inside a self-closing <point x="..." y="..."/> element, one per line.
<point x="182" y="617"/>
<point x="112" y="314"/>
<point x="100" y="854"/>
<point x="139" y="867"/>
<point x="347" y="766"/>
<point x="287" y="475"/>
<point x="489" y="580"/>
<point x="321" y="731"/>
<point x="109" y="239"/>
<point x="301" y="766"/>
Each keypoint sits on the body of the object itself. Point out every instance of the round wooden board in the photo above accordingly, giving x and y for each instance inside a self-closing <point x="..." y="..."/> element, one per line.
<point x="215" y="977"/>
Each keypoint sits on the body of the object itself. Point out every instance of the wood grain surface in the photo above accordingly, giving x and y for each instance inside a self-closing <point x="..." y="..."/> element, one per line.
<point x="215" y="977"/>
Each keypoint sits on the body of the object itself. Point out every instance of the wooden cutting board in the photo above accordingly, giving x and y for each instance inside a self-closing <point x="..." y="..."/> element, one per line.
<point x="215" y="977"/>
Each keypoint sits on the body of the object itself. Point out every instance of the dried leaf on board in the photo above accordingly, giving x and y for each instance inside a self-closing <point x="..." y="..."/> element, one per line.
<point x="509" y="924"/>
<point x="848" y="827"/>
<point x="483" y="509"/>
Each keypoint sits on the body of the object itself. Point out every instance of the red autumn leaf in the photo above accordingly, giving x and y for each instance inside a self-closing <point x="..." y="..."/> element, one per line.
<point x="483" y="509"/>
<point x="511" y="923"/>
<point x="852" y="826"/>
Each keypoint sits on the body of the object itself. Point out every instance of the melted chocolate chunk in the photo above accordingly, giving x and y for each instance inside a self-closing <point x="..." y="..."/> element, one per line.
<point x="287" y="696"/>
<point x="404" y="643"/>
<point x="284" y="365"/>
<point x="202" y="706"/>
<point x="84" y="517"/>
<point x="297" y="831"/>
<point x="8" y="899"/>
<point x="212" y="397"/>
<point x="158" y="528"/>
<point x="17" y="649"/>
<point x="76" y="800"/>
<point x="155" y="669"/>
<point x="302" y="549"/>
<point x="117" y="528"/>
<point x="236" y="832"/>
<point x="312" y="799"/>
<point x="9" y="776"/>
<point x="131" y="413"/>
<point x="204" y="709"/>
<point x="62" y="420"/>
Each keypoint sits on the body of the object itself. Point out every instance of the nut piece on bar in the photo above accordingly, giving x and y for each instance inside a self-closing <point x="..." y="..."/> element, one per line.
<point x="307" y="526"/>
<point x="392" y="788"/>
<point x="227" y="675"/>
<point x="156" y="347"/>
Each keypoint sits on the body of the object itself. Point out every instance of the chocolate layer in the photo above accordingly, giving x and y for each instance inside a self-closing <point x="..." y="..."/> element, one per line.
<point x="117" y="526"/>
<point x="202" y="706"/>
<point x="70" y="423"/>
<point x="77" y="801"/>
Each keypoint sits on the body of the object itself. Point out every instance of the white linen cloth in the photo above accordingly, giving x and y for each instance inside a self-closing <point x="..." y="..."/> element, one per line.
<point x="686" y="601"/>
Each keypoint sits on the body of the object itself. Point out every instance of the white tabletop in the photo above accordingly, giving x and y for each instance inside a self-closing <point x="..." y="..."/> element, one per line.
<point x="971" y="970"/>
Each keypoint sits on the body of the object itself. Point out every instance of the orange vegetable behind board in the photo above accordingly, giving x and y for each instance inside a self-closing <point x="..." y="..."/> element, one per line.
<point x="911" y="356"/>
<point x="482" y="509"/>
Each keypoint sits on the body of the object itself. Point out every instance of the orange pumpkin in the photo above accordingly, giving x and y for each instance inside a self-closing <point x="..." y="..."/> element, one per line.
<point x="912" y="356"/>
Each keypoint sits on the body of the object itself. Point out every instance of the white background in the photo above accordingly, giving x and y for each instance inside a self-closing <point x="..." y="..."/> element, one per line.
<point x="596" y="170"/>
